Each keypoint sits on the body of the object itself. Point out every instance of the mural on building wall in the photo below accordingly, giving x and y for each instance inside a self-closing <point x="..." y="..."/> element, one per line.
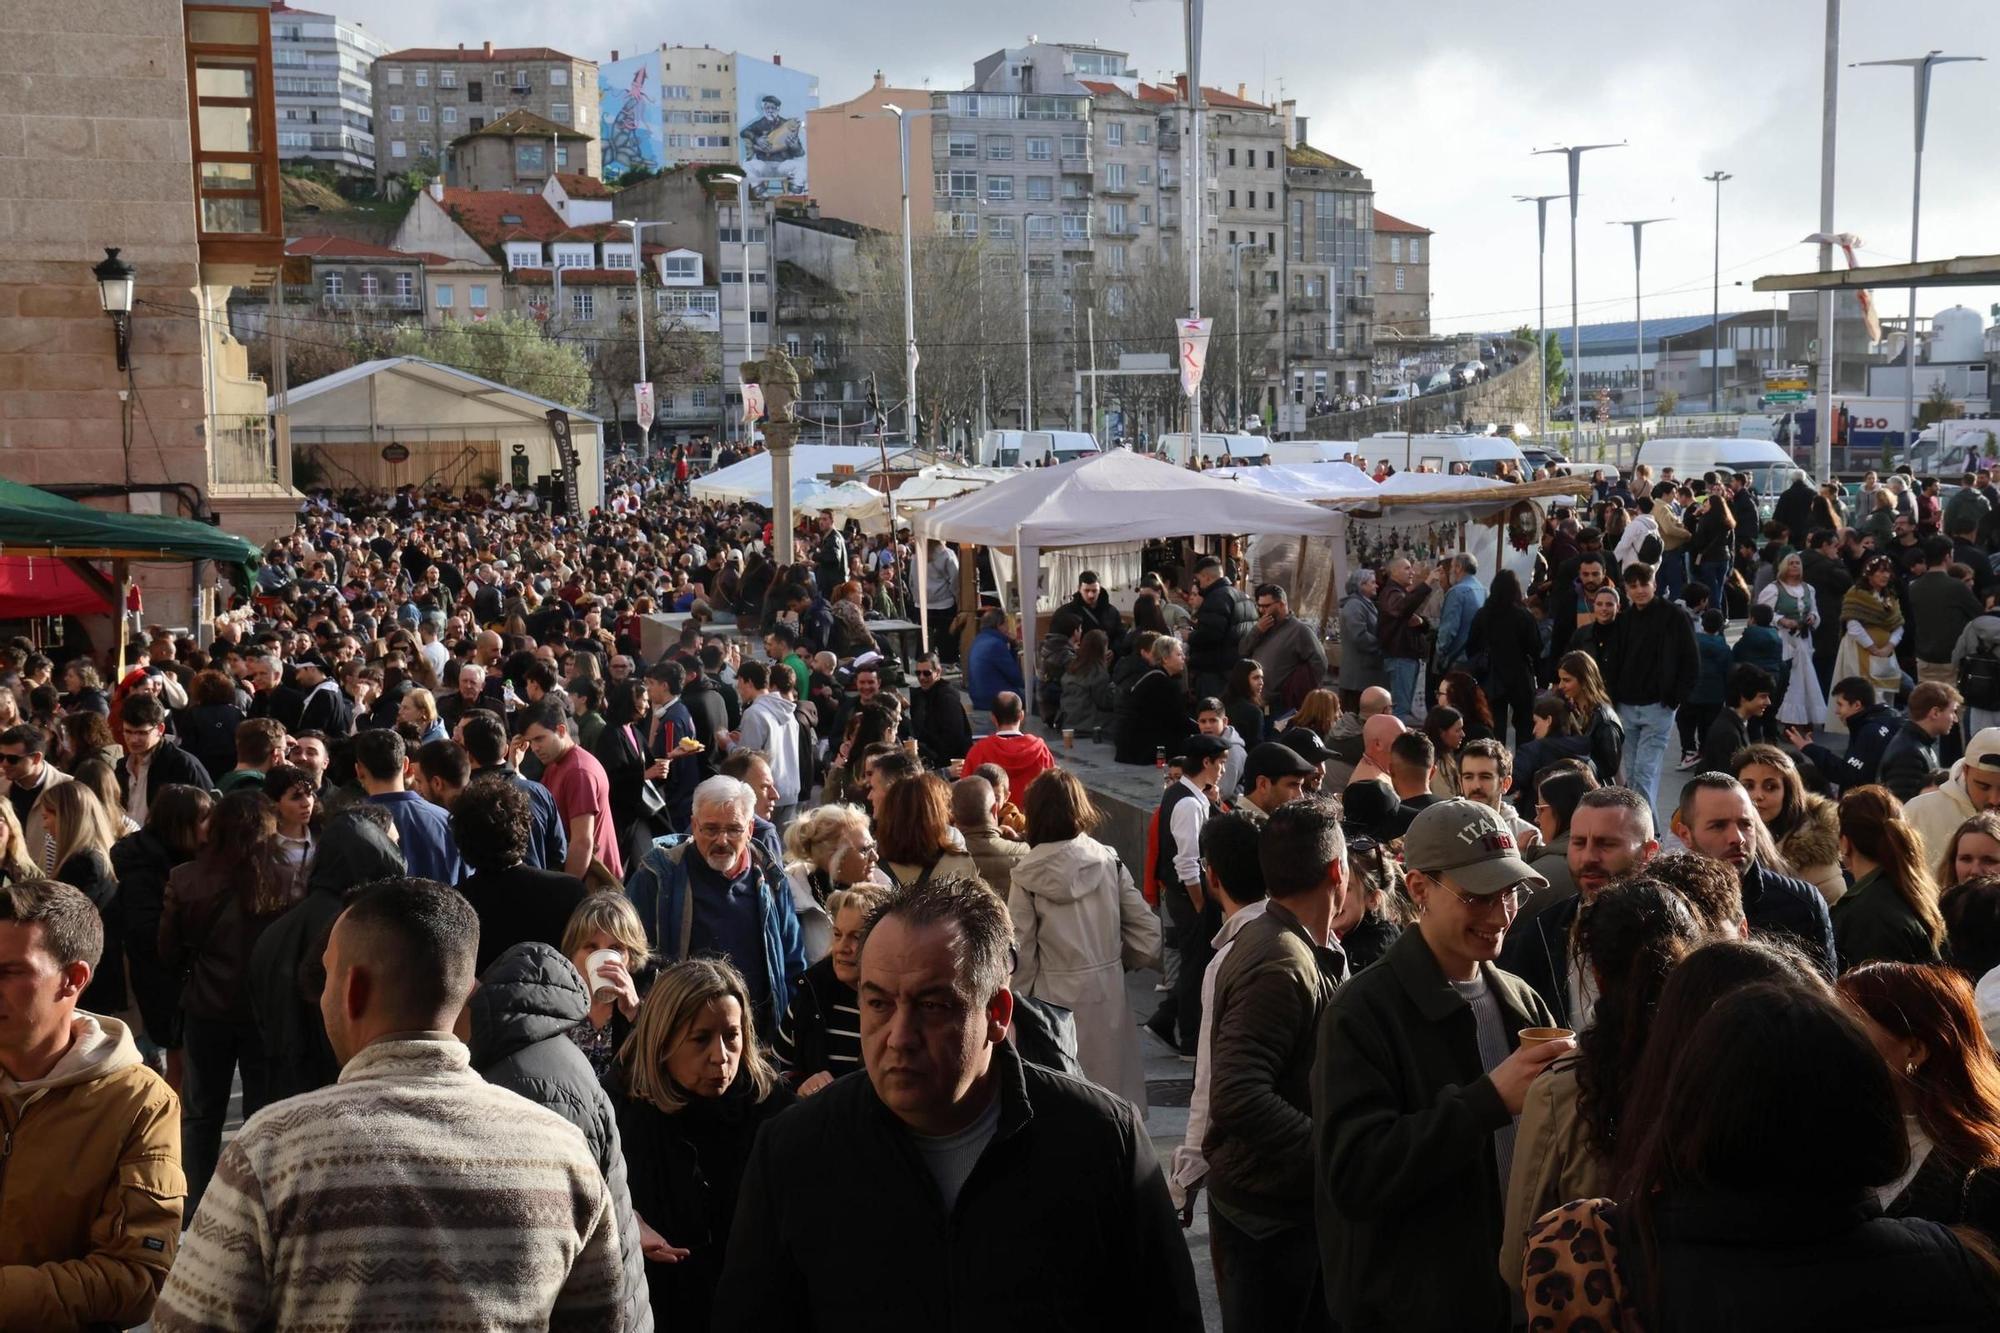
<point x="771" y="105"/>
<point x="629" y="119"/>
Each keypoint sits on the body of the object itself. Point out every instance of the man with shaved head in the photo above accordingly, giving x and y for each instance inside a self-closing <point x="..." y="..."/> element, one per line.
<point x="1378" y="733"/>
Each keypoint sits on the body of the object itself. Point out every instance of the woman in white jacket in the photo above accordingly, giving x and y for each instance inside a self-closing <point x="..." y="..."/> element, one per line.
<point x="1079" y="925"/>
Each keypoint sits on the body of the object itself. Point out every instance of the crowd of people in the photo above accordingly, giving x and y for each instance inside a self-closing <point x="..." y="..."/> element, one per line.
<point x="579" y="972"/>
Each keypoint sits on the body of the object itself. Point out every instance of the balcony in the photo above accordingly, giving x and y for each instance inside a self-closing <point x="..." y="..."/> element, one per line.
<point x="1168" y="182"/>
<point x="1076" y="164"/>
<point x="1360" y="305"/>
<point x="1306" y="303"/>
<point x="1122" y="190"/>
<point x="1119" y="231"/>
<point x="240" y="451"/>
<point x="1076" y="240"/>
<point x="685" y="412"/>
<point x="410" y="304"/>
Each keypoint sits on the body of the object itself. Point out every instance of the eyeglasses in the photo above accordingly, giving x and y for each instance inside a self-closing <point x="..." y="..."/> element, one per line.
<point x="721" y="830"/>
<point x="1510" y="900"/>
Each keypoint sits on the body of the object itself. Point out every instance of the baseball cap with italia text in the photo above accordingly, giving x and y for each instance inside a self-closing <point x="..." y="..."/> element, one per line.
<point x="1470" y="843"/>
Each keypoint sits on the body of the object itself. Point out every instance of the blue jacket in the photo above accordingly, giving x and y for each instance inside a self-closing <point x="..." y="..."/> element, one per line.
<point x="424" y="832"/>
<point x="1759" y="645"/>
<point x="1461" y="602"/>
<point x="1712" y="685"/>
<point x="659" y="886"/>
<point x="992" y="668"/>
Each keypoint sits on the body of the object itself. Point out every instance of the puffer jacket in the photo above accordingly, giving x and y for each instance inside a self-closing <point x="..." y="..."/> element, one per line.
<point x="1222" y="629"/>
<point x="1360" y="649"/>
<point x="90" y="1202"/>
<point x="1812" y="848"/>
<point x="527" y="1002"/>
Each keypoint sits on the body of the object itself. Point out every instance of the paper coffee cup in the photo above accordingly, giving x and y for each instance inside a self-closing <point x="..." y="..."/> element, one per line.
<point x="599" y="987"/>
<point x="1536" y="1036"/>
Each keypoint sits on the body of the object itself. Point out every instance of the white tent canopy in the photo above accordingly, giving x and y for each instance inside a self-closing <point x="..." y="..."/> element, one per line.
<point x="1306" y="481"/>
<point x="1105" y="498"/>
<point x="750" y="479"/>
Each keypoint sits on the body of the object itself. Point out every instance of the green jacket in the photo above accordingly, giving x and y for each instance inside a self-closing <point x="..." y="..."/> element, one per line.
<point x="1872" y="924"/>
<point x="1273" y="986"/>
<point x="1407" y="1188"/>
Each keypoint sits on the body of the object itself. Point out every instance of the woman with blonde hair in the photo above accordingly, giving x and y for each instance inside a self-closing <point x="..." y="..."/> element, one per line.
<point x="15" y="863"/>
<point x="1974" y="851"/>
<point x="695" y="1087"/>
<point x="80" y="831"/>
<point x="1795" y="615"/>
<point x="820" y="1038"/>
<point x="1579" y="682"/>
<point x="1804" y="827"/>
<point x="97" y="774"/>
<point x="827" y="849"/>
<point x="1318" y="712"/>
<point x="607" y="924"/>
<point x="419" y="709"/>
<point x="1079" y="925"/>
<point x="1891" y="913"/>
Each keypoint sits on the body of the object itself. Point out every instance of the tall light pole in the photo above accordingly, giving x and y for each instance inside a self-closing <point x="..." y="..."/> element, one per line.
<point x="1715" y="178"/>
<point x="781" y="458"/>
<point x="1191" y="14"/>
<point x="909" y="281"/>
<point x="639" y="296"/>
<point x="1541" y="203"/>
<point x="1575" y="154"/>
<point x="1027" y="323"/>
<point x="1638" y="226"/>
<point x="1236" y="249"/>
<point x="1920" y="67"/>
<point x="1828" y="116"/>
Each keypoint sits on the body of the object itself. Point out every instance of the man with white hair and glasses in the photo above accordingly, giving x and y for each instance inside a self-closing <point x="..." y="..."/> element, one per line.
<point x="719" y="891"/>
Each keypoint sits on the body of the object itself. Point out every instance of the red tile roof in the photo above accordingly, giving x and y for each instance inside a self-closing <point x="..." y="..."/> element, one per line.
<point x="344" y="247"/>
<point x="499" y="54"/>
<point x="1384" y="222"/>
<point x="1101" y="89"/>
<point x="482" y="215"/>
<point x="579" y="186"/>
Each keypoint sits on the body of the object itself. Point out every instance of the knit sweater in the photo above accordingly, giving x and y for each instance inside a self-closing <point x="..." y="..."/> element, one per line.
<point x="410" y="1194"/>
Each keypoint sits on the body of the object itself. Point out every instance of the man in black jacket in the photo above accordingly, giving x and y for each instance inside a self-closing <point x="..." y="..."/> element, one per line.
<point x="1221" y="628"/>
<point x="1912" y="754"/>
<point x="1418" y="1077"/>
<point x="1656" y="667"/>
<point x="1093" y="608"/>
<point x="151" y="761"/>
<point x="938" y="719"/>
<point x="1827" y="576"/>
<point x="1270" y="990"/>
<point x="1870" y="725"/>
<point x="974" y="1162"/>
<point x="1794" y="508"/>
<point x="1717" y="820"/>
<point x="516" y="901"/>
<point x="829" y="557"/>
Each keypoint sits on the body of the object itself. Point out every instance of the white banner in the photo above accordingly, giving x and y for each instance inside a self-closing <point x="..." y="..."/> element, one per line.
<point x="642" y="397"/>
<point x="1192" y="335"/>
<point x="753" y="402"/>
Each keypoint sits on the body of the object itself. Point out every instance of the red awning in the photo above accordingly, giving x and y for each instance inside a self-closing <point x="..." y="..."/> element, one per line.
<point x="40" y="585"/>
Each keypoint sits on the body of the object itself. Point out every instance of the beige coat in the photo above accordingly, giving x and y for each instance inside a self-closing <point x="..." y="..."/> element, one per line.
<point x="1812" y="849"/>
<point x="995" y="854"/>
<point x="1079" y="924"/>
<point x="1554" y="1162"/>
<point x="34" y="833"/>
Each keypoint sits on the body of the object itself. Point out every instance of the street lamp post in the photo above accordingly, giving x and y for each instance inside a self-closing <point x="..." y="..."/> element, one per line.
<point x="639" y="297"/>
<point x="909" y="281"/>
<point x="1541" y="203"/>
<point x="1575" y="154"/>
<point x="1920" y="67"/>
<point x="1027" y="321"/>
<point x="1236" y="249"/>
<point x="1638" y="226"/>
<point x="1716" y="178"/>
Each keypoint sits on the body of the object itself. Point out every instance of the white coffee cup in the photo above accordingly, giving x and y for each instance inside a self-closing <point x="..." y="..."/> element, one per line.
<point x="599" y="987"/>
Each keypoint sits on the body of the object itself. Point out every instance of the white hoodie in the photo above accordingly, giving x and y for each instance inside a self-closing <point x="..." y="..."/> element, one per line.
<point x="100" y="1046"/>
<point x="771" y="724"/>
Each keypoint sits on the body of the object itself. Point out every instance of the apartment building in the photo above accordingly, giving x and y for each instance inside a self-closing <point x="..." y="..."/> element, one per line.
<point x="514" y="153"/>
<point x="858" y="158"/>
<point x="1328" y="275"/>
<point x="1402" y="277"/>
<point x="818" y="268"/>
<point x="323" y="90"/>
<point x="427" y="97"/>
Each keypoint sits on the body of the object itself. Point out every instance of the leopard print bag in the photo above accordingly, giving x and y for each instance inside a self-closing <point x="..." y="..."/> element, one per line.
<point x="1569" y="1275"/>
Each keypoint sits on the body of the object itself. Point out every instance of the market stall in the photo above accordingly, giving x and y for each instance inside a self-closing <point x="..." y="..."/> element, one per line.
<point x="748" y="481"/>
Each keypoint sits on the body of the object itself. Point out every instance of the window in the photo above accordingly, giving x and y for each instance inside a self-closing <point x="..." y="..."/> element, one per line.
<point x="520" y="78"/>
<point x="999" y="189"/>
<point x="791" y="344"/>
<point x="574" y="256"/>
<point x="423" y="78"/>
<point x="1270" y="201"/>
<point x="582" y="303"/>
<point x="558" y="78"/>
<point x="1145" y="215"/>
<point x="1075" y="145"/>
<point x="1145" y="133"/>
<point x="618" y="259"/>
<point x="1416" y="250"/>
<point x="447" y="78"/>
<point x="329" y="285"/>
<point x="964" y="145"/>
<point x="1041" y="148"/>
<point x="524" y="256"/>
<point x="999" y="148"/>
<point x="819" y="345"/>
<point x="423" y="148"/>
<point x="1399" y="279"/>
<point x="760" y="317"/>
<point x="1270" y="159"/>
<point x="1000" y="229"/>
<point x="423" y="115"/>
<point x="1232" y="204"/>
<point x="1395" y="249"/>
<point x="1114" y="217"/>
<point x="1041" y="227"/>
<point x="396" y="115"/>
<point x="1041" y="189"/>
<point x="235" y="138"/>
<point x="478" y="123"/>
<point x="711" y="94"/>
<point x="1146" y="173"/>
<point x="676" y="92"/>
<point x="683" y="268"/>
<point x="559" y="112"/>
<point x="1232" y="157"/>
<point x="1114" y="300"/>
<point x="1074" y="188"/>
<point x="444" y="296"/>
<point x="1076" y="226"/>
<point x="448" y="114"/>
<point x="529" y="159"/>
<point x="474" y="90"/>
<point x="1114" y="175"/>
<point x="371" y="285"/>
<point x="698" y="397"/>
<point x="1114" y="133"/>
<point x="1117" y="257"/>
<point x="395" y="76"/>
<point x="958" y="184"/>
<point x="397" y="148"/>
<point x="406" y="287"/>
<point x="963" y="225"/>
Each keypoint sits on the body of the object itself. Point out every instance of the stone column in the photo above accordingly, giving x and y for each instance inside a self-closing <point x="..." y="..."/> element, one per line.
<point x="778" y="376"/>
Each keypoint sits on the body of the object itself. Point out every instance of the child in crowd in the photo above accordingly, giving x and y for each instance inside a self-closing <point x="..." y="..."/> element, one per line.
<point x="1760" y="646"/>
<point x="1704" y="701"/>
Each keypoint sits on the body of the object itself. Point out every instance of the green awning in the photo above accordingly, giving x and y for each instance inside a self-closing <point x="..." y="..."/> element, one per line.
<point x="37" y="521"/>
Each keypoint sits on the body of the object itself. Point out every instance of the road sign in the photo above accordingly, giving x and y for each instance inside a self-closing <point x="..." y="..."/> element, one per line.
<point x="1786" y="396"/>
<point x="1785" y="384"/>
<point x="643" y="395"/>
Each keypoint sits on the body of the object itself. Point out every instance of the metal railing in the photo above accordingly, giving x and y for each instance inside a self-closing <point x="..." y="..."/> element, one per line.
<point x="241" y="451"/>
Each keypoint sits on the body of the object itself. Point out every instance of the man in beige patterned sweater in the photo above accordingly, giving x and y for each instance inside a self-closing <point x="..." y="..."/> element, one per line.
<point x="412" y="1193"/>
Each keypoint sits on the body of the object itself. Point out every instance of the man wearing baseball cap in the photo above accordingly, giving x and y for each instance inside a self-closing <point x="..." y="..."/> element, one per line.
<point x="1417" y="1080"/>
<point x="1272" y="774"/>
<point x="1974" y="786"/>
<point x="1192" y="919"/>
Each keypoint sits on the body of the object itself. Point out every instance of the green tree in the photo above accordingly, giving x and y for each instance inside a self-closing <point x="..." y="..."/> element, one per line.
<point x="1938" y="405"/>
<point x="507" y="349"/>
<point x="1557" y="370"/>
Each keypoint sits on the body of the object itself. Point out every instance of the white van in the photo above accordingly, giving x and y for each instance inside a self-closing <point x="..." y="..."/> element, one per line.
<point x="1770" y="465"/>
<point x="1479" y="454"/>
<point x="1949" y="449"/>
<point x="1312" y="451"/>
<point x="1216" y="450"/>
<point x="1030" y="448"/>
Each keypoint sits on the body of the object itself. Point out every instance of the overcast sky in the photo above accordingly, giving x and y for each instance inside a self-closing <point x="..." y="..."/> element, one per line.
<point x="1441" y="104"/>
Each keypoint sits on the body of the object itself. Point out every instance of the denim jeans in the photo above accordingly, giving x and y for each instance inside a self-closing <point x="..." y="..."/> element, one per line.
<point x="1403" y="686"/>
<point x="1649" y="729"/>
